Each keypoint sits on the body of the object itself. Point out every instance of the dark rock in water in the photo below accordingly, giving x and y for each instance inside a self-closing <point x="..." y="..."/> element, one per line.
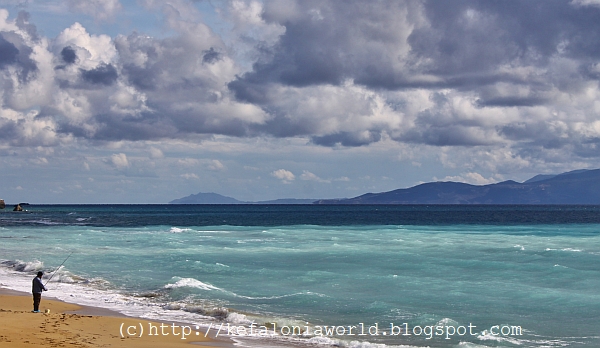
<point x="2" y="204"/>
<point x="18" y="208"/>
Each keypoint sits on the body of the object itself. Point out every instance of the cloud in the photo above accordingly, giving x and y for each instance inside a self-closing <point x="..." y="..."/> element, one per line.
<point x="327" y="42"/>
<point x="187" y="162"/>
<point x="347" y="138"/>
<point x="119" y="161"/>
<point x="104" y="74"/>
<point x="284" y="175"/>
<point x="216" y="165"/>
<point x="101" y="10"/>
<point x="306" y="175"/>
<point x="585" y="3"/>
<point x="156" y="153"/>
<point x="189" y="176"/>
<point x="39" y="161"/>
<point x="471" y="178"/>
<point x="68" y="55"/>
<point x="8" y="53"/>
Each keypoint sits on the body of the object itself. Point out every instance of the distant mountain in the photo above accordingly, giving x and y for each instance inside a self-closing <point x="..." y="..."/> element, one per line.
<point x="576" y="187"/>
<point x="541" y="177"/>
<point x="215" y="198"/>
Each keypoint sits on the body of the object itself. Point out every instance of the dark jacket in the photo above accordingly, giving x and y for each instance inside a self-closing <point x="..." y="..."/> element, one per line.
<point x="38" y="286"/>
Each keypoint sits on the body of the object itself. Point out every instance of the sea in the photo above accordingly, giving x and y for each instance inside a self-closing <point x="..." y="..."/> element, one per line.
<point x="465" y="276"/>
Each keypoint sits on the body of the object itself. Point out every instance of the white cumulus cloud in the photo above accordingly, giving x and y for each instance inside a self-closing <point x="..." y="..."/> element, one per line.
<point x="306" y="175"/>
<point x="284" y="175"/>
<point x="216" y="165"/>
<point x="119" y="160"/>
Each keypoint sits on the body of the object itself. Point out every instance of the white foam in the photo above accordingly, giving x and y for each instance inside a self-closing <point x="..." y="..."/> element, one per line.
<point x="359" y="344"/>
<point x="564" y="249"/>
<point x="447" y="322"/>
<point x="179" y="230"/>
<point x="192" y="283"/>
<point x="323" y="340"/>
<point x="487" y="336"/>
<point x="35" y="265"/>
<point x="276" y="341"/>
<point x="471" y="345"/>
<point x="238" y="319"/>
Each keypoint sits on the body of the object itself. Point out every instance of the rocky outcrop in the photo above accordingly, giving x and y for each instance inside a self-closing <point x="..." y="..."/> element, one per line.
<point x="18" y="208"/>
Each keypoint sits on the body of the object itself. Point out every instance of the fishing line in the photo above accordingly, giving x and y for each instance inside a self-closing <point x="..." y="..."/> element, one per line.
<point x="59" y="268"/>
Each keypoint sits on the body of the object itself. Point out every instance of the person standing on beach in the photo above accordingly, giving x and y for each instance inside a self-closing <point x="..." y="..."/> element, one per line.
<point x="37" y="289"/>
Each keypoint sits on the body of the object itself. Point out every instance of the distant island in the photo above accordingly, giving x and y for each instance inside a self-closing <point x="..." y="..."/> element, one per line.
<point x="215" y="198"/>
<point x="575" y="187"/>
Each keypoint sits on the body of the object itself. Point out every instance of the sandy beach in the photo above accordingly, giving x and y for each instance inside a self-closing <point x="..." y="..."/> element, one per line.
<point x="69" y="325"/>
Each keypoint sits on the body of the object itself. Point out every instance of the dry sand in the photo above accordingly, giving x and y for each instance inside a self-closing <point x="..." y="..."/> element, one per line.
<point x="69" y="325"/>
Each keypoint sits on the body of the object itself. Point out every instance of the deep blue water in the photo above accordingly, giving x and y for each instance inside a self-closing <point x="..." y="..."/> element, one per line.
<point x="323" y="215"/>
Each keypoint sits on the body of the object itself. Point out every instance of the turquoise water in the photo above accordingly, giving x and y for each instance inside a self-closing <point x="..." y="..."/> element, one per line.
<point x="526" y="284"/>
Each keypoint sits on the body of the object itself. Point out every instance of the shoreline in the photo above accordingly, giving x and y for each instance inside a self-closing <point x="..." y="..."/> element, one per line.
<point x="87" y="326"/>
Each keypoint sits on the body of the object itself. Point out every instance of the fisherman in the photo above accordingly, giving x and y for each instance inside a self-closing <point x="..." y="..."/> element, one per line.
<point x="37" y="289"/>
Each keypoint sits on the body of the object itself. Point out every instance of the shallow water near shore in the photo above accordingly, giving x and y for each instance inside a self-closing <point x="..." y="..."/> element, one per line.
<point x="361" y="276"/>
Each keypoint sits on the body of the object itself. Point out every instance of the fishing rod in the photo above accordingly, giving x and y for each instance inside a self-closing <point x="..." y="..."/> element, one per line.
<point x="59" y="268"/>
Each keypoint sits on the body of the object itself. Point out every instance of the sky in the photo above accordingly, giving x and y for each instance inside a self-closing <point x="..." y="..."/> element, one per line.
<point x="114" y="101"/>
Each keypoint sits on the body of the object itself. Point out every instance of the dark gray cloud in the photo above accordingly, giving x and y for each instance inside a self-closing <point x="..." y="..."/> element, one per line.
<point x="445" y="136"/>
<point x="16" y="52"/>
<point x="210" y="56"/>
<point x="8" y="130"/>
<point x="143" y="76"/>
<point x="542" y="134"/>
<point x="68" y="55"/>
<point x="348" y="139"/>
<point x="8" y="53"/>
<point x="463" y="44"/>
<point x="326" y="42"/>
<point x="13" y="51"/>
<point x="105" y="74"/>
<point x="511" y="101"/>
<point x="22" y="22"/>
